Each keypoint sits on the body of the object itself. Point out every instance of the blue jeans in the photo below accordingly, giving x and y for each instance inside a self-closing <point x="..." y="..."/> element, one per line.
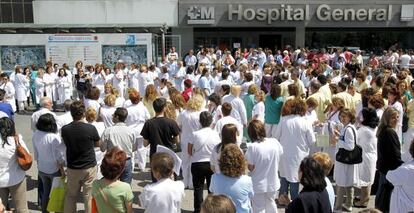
<point x="284" y="188"/>
<point x="126" y="176"/>
<point x="47" y="180"/>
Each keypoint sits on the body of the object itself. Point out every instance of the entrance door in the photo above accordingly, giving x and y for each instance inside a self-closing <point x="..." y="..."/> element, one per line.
<point x="270" y="41"/>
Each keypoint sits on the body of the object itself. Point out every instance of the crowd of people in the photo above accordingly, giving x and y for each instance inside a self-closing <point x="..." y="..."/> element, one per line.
<point x="260" y="129"/>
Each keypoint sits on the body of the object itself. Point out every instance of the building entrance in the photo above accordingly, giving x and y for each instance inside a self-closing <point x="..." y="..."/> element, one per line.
<point x="270" y="41"/>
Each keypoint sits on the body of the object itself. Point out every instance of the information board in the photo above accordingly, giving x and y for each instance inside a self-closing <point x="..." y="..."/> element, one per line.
<point x="71" y="48"/>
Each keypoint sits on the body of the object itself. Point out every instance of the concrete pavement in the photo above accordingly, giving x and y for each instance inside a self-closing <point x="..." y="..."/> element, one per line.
<point x="141" y="178"/>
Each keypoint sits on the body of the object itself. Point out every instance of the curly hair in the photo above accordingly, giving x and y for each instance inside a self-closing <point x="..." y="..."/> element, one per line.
<point x="195" y="103"/>
<point x="232" y="162"/>
<point x="377" y="101"/>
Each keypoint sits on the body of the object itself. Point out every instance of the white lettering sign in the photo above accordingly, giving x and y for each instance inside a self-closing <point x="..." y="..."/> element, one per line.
<point x="326" y="13"/>
<point x="201" y="15"/>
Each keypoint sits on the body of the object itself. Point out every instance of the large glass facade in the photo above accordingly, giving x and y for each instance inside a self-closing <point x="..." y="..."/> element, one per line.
<point x="16" y="11"/>
<point x="366" y="39"/>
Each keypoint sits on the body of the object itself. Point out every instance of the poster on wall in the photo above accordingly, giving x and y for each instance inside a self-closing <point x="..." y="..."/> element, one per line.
<point x="111" y="54"/>
<point x="71" y="48"/>
<point x="22" y="55"/>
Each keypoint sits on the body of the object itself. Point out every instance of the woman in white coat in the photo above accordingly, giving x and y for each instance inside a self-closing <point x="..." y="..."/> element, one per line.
<point x="263" y="157"/>
<point x="98" y="80"/>
<point x="402" y="197"/>
<point x="118" y="80"/>
<point x="296" y="136"/>
<point x="189" y="122"/>
<point x="21" y="84"/>
<point x="344" y="173"/>
<point x="137" y="115"/>
<point x="8" y="86"/>
<point x="133" y="81"/>
<point x="365" y="172"/>
<point x="63" y="86"/>
<point x="49" y="79"/>
<point x="40" y="86"/>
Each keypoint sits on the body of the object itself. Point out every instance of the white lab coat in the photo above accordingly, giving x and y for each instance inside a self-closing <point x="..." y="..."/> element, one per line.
<point x="50" y="85"/>
<point x="344" y="173"/>
<point x="63" y="87"/>
<point x="118" y="82"/>
<point x="133" y="79"/>
<point x="365" y="171"/>
<point x="189" y="122"/>
<point x="402" y="197"/>
<point x="21" y="84"/>
<point x="40" y="89"/>
<point x="10" y="93"/>
<point x="238" y="108"/>
<point x="296" y="136"/>
<point x="98" y="80"/>
<point x="144" y="79"/>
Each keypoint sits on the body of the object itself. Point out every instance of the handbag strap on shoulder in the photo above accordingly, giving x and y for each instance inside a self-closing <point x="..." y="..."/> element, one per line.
<point x="353" y="132"/>
<point x="16" y="140"/>
<point x="106" y="199"/>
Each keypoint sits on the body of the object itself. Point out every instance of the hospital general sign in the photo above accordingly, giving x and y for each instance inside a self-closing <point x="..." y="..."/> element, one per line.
<point x="206" y="15"/>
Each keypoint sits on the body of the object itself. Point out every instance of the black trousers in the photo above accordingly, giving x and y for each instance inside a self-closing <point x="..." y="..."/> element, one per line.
<point x="201" y="172"/>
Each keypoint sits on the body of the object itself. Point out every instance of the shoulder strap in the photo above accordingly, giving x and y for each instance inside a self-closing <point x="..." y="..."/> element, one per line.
<point x="353" y="132"/>
<point x="106" y="199"/>
<point x="16" y="140"/>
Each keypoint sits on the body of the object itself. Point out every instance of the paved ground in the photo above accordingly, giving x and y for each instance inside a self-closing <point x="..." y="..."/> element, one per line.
<point x="139" y="181"/>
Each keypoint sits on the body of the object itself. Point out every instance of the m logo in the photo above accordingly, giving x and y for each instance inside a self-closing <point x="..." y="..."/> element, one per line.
<point x="200" y="15"/>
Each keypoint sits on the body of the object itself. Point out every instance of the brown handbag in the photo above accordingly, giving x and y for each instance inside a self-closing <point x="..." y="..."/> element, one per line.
<point x="24" y="159"/>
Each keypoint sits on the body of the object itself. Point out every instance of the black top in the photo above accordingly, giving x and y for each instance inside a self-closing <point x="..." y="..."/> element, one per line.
<point x="80" y="138"/>
<point x="160" y="130"/>
<point x="81" y="82"/>
<point x="310" y="202"/>
<point x="389" y="151"/>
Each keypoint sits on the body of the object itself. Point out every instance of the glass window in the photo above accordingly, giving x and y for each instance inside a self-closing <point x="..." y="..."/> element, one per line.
<point x="28" y="13"/>
<point x="18" y="13"/>
<point x="6" y="13"/>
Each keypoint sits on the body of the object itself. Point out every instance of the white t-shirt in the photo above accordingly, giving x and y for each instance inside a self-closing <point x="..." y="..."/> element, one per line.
<point x="265" y="157"/>
<point x="405" y="61"/>
<point x="204" y="141"/>
<point x="230" y="120"/>
<point x="92" y="103"/>
<point x="10" y="171"/>
<point x="137" y="114"/>
<point x="163" y="196"/>
<point x="48" y="151"/>
<point x="106" y="115"/>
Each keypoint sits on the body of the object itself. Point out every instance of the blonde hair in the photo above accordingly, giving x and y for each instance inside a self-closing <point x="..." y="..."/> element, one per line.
<point x="386" y="118"/>
<point x="260" y="95"/>
<point x="170" y="111"/>
<point x="150" y="93"/>
<point x="110" y="100"/>
<point x="91" y="115"/>
<point x="195" y="103"/>
<point x="324" y="160"/>
<point x="235" y="90"/>
<point x="252" y="89"/>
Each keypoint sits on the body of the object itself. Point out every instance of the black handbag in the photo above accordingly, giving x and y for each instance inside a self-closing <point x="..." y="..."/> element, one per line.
<point x="350" y="157"/>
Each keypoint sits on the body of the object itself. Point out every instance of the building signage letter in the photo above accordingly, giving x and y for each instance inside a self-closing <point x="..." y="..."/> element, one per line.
<point x="238" y="12"/>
